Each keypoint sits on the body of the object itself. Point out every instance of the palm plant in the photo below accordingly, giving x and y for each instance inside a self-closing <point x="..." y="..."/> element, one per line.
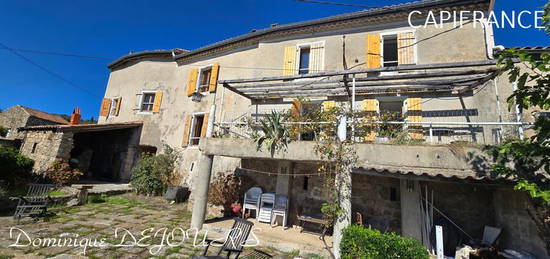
<point x="273" y="134"/>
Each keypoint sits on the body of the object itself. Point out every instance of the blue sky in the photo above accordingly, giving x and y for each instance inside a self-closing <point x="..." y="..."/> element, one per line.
<point x="107" y="28"/>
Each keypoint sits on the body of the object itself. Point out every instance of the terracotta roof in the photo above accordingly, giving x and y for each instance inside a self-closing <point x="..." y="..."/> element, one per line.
<point x="85" y="127"/>
<point x="44" y="116"/>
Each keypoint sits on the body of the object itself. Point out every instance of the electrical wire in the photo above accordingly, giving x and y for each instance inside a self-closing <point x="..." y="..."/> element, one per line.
<point x="52" y="73"/>
<point x="55" y="53"/>
<point x="334" y="3"/>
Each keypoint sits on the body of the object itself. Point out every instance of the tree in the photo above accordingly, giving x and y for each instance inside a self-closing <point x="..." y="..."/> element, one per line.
<point x="528" y="160"/>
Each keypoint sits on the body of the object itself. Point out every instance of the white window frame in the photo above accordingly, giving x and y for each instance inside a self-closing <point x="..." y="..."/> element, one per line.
<point x="199" y="78"/>
<point x="396" y="33"/>
<point x="113" y="107"/>
<point x="143" y="93"/>
<point x="192" y="127"/>
<point x="299" y="46"/>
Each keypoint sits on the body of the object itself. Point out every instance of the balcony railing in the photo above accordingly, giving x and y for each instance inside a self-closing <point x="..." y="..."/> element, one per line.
<point x="401" y="132"/>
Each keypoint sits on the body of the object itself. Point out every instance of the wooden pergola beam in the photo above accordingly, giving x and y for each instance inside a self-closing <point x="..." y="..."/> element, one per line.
<point x="363" y="71"/>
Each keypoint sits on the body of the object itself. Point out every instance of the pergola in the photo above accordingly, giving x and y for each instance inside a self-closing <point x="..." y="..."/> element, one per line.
<point x="455" y="77"/>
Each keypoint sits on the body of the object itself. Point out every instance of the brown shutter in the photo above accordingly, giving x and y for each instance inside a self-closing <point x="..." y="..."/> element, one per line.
<point x="214" y="78"/>
<point x="405" y="48"/>
<point x="186" y="130"/>
<point x="373" y="51"/>
<point x="414" y="114"/>
<point x="105" y="107"/>
<point x="192" y="81"/>
<point x="117" y="108"/>
<point x="204" y="125"/>
<point x="158" y="100"/>
<point x="289" y="62"/>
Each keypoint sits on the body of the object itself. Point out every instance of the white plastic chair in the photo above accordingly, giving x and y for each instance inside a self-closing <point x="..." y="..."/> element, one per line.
<point x="266" y="207"/>
<point x="280" y="209"/>
<point x="252" y="200"/>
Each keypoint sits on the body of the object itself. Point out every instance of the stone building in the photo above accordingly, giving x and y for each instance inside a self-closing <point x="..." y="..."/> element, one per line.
<point x="20" y="116"/>
<point x="439" y="78"/>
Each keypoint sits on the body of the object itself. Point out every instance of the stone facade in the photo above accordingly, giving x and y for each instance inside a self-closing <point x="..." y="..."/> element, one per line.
<point x="44" y="147"/>
<point x="19" y="116"/>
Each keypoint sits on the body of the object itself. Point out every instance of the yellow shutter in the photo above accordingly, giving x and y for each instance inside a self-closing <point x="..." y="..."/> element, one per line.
<point x="186" y="130"/>
<point x="158" y="101"/>
<point x="296" y="107"/>
<point x="204" y="125"/>
<point x="373" y="59"/>
<point x="289" y="66"/>
<point x="405" y="48"/>
<point x="370" y="107"/>
<point x="327" y="105"/>
<point x="414" y="114"/>
<point x="214" y="78"/>
<point x="105" y="107"/>
<point x="192" y="81"/>
<point x="316" y="57"/>
<point x="117" y="108"/>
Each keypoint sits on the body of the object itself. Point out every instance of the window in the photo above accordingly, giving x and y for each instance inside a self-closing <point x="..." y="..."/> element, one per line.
<point x="204" y="79"/>
<point x="196" y="129"/>
<point x="304" y="60"/>
<point x="147" y="101"/>
<point x="114" y="107"/>
<point x="391" y="106"/>
<point x="34" y="145"/>
<point x="305" y="187"/>
<point x="389" y="50"/>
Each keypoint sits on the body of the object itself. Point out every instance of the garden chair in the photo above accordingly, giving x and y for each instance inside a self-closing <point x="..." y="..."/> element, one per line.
<point x="280" y="209"/>
<point x="35" y="203"/>
<point x="252" y="200"/>
<point x="233" y="244"/>
<point x="266" y="207"/>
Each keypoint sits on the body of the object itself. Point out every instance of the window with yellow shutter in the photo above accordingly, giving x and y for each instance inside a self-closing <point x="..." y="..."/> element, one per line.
<point x="147" y="101"/>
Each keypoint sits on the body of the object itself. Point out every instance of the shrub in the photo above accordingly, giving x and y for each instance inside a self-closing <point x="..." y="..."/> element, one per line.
<point x="15" y="169"/>
<point x="224" y="191"/>
<point x="366" y="243"/>
<point x="60" y="172"/>
<point x="153" y="173"/>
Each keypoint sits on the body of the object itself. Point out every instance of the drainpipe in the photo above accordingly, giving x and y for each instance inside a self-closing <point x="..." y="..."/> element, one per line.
<point x="203" y="179"/>
<point x="489" y="38"/>
<point x="495" y="83"/>
<point x="518" y="113"/>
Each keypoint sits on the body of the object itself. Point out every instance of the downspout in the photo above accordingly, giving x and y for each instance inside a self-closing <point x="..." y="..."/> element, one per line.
<point x="489" y="38"/>
<point x="497" y="96"/>
<point x="518" y="113"/>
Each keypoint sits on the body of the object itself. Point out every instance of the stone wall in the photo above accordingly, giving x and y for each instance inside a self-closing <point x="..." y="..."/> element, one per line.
<point x="13" y="118"/>
<point x="518" y="229"/>
<point x="44" y="147"/>
<point x="469" y="206"/>
<point x="378" y="200"/>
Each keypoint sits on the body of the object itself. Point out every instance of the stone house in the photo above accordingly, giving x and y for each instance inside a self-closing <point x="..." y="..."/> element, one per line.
<point x="20" y="116"/>
<point x="439" y="78"/>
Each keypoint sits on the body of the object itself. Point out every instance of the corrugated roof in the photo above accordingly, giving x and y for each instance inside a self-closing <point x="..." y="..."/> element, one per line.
<point x="379" y="11"/>
<point x="44" y="116"/>
<point x="84" y="127"/>
<point x="449" y="174"/>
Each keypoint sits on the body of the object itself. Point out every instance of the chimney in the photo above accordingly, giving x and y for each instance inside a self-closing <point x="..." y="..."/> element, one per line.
<point x="75" y="117"/>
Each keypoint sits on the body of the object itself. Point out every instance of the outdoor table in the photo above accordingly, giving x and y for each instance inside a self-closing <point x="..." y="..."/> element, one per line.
<point x="321" y="223"/>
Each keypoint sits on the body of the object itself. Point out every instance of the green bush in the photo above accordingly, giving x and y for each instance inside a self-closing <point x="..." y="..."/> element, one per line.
<point x="366" y="243"/>
<point x="15" y="169"/>
<point x="60" y="172"/>
<point x="153" y="173"/>
<point x="3" y="131"/>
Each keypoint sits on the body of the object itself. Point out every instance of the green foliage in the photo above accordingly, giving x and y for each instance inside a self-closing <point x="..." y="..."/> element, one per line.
<point x="274" y="134"/>
<point x="97" y="198"/>
<point x="60" y="172"/>
<point x="389" y="130"/>
<point x="15" y="169"/>
<point x="153" y="173"/>
<point x="3" y="131"/>
<point x="331" y="211"/>
<point x="366" y="243"/>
